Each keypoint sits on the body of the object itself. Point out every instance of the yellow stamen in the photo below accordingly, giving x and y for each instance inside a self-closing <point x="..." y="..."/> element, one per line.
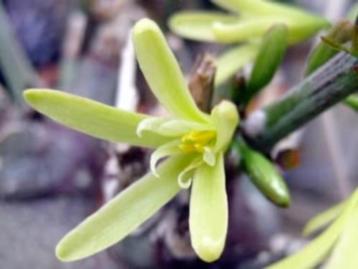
<point x="195" y="141"/>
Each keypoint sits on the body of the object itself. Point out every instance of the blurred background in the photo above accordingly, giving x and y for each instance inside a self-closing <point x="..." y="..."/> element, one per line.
<point x="52" y="177"/>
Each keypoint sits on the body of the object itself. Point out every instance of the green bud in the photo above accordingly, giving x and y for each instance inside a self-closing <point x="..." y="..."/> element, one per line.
<point x="352" y="101"/>
<point x="272" y="51"/>
<point x="265" y="176"/>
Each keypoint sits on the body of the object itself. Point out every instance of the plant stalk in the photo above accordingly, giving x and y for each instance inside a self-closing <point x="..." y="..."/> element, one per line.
<point x="329" y="85"/>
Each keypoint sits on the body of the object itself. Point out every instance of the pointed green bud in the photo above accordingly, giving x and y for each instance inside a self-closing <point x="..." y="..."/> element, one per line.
<point x="265" y="176"/>
<point x="352" y="102"/>
<point x="272" y="51"/>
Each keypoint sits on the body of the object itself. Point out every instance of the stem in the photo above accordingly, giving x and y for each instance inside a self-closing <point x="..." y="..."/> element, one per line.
<point x="324" y="88"/>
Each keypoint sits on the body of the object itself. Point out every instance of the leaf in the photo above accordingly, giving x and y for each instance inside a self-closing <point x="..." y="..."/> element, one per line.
<point x="319" y="248"/>
<point x="162" y="71"/>
<point x="345" y="252"/>
<point x="123" y="214"/>
<point x="323" y="219"/>
<point x="233" y="60"/>
<point x="166" y="150"/>
<point x="198" y="25"/>
<point x="268" y="60"/>
<point x="208" y="219"/>
<point x="91" y="117"/>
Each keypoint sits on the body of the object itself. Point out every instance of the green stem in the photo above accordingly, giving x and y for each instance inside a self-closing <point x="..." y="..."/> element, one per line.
<point x="324" y="88"/>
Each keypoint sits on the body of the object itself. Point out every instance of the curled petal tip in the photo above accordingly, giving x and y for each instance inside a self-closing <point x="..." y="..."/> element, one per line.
<point x="208" y="249"/>
<point x="145" y="25"/>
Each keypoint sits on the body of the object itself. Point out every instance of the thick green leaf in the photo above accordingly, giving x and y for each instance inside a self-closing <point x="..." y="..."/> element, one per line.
<point x="319" y="248"/>
<point x="162" y="71"/>
<point x="91" y="117"/>
<point x="272" y="51"/>
<point x="198" y="25"/>
<point x="233" y="60"/>
<point x="321" y="220"/>
<point x="123" y="214"/>
<point x="209" y="211"/>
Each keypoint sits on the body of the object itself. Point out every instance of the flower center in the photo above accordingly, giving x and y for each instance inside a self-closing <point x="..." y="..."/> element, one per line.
<point x="196" y="141"/>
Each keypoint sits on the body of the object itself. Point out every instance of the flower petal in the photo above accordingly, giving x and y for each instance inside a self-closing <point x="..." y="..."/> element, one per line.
<point x="162" y="71"/>
<point x="209" y="211"/>
<point x="181" y="127"/>
<point x="323" y="219"/>
<point x="198" y="25"/>
<point x="123" y="214"/>
<point x="231" y="61"/>
<point x="149" y="124"/>
<point x="166" y="150"/>
<point x="244" y="30"/>
<point x="185" y="176"/>
<point x="261" y="8"/>
<point x="91" y="117"/>
<point x="209" y="156"/>
<point x="320" y="247"/>
<point x="225" y="118"/>
<point x="345" y="252"/>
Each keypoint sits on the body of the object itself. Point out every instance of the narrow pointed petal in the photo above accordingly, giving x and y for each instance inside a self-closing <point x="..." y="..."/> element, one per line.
<point x="208" y="219"/>
<point x="198" y="25"/>
<point x="166" y="150"/>
<point x="264" y="8"/>
<point x="252" y="29"/>
<point x="313" y="253"/>
<point x="244" y="30"/>
<point x="233" y="60"/>
<point x="149" y="124"/>
<point x="181" y="127"/>
<point x="186" y="175"/>
<point x="91" y="117"/>
<point x="162" y="71"/>
<point x="321" y="220"/>
<point x="123" y="214"/>
<point x="345" y="252"/>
